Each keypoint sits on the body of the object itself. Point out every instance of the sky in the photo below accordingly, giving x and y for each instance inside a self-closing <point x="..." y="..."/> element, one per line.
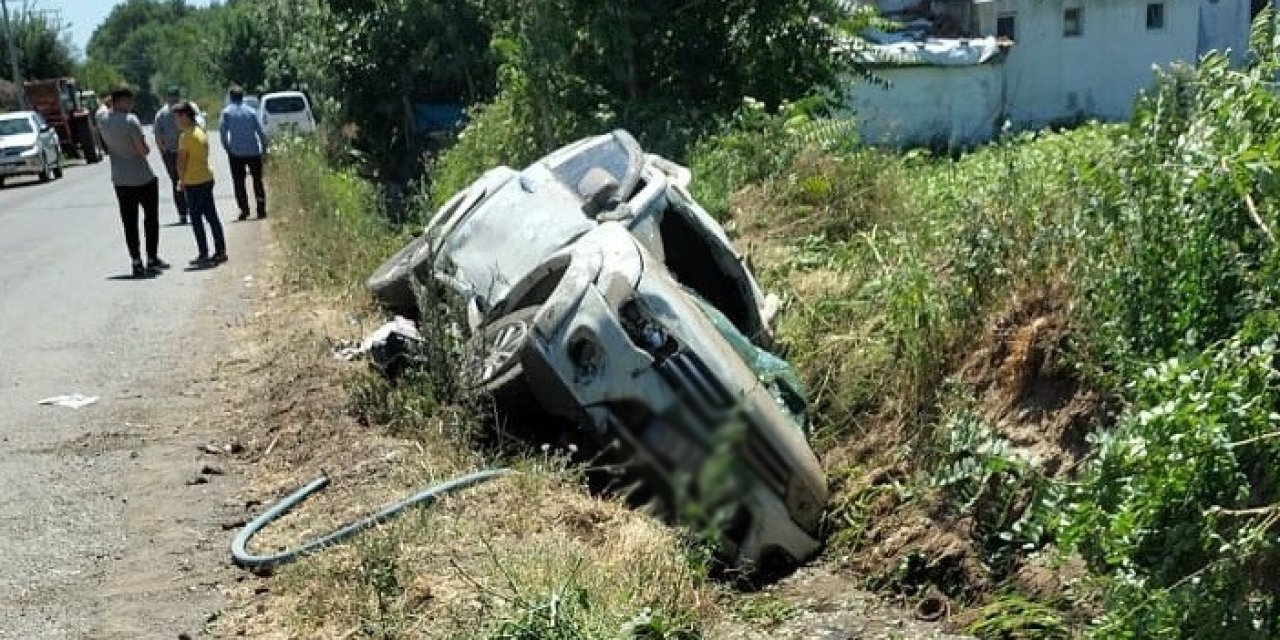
<point x="81" y="16"/>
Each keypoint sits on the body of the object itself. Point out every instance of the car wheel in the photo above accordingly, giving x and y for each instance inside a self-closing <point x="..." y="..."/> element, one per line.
<point x="492" y="358"/>
<point x="392" y="283"/>
<point x="57" y="169"/>
<point x="491" y="372"/>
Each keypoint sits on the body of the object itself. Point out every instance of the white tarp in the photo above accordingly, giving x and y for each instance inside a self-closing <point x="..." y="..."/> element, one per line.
<point x="906" y="48"/>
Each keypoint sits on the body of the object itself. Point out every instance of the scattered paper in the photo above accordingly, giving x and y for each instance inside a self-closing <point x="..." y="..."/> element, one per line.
<point x="74" y="400"/>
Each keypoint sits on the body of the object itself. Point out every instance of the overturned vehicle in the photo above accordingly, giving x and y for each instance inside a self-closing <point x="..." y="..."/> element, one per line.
<point x="595" y="285"/>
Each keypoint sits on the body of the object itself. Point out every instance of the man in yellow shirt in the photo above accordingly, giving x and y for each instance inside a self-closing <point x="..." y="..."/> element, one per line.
<point x="196" y="180"/>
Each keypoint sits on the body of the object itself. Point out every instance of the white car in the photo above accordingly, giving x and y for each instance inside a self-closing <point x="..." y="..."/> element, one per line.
<point x="600" y="293"/>
<point x="286" y="110"/>
<point x="28" y="146"/>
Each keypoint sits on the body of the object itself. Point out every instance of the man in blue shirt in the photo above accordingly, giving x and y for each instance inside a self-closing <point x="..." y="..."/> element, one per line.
<point x="246" y="145"/>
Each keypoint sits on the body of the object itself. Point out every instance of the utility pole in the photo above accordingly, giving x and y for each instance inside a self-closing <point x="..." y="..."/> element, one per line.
<point x="13" y="55"/>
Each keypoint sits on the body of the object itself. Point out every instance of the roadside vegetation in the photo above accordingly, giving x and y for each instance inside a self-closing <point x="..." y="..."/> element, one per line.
<point x="1042" y="373"/>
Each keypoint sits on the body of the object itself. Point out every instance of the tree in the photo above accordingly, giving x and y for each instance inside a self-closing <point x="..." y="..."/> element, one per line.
<point x="665" y="69"/>
<point x="99" y="76"/>
<point x="368" y="61"/>
<point x="157" y="43"/>
<point x="239" y="37"/>
<point x="44" y="50"/>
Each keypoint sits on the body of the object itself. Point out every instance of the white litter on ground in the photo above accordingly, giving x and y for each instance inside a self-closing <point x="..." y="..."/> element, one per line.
<point x="400" y="325"/>
<point x="73" y="400"/>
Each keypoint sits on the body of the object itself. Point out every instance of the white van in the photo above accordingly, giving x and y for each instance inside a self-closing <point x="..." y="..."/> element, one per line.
<point x="286" y="110"/>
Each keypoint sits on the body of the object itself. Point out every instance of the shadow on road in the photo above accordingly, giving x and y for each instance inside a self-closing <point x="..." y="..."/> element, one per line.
<point x="129" y="276"/>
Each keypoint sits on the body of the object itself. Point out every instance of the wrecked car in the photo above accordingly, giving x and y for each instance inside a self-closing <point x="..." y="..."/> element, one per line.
<point x="597" y="286"/>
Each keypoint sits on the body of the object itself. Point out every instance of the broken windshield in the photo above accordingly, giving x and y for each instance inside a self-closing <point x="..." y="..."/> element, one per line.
<point x="618" y="154"/>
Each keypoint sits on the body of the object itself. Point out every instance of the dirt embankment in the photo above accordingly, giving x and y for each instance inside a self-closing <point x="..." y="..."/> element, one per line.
<point x="468" y="563"/>
<point x="911" y="537"/>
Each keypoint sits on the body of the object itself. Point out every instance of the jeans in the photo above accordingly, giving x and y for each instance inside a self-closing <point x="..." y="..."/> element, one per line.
<point x="201" y="208"/>
<point x="171" y="167"/>
<point x="254" y="166"/>
<point x="146" y="196"/>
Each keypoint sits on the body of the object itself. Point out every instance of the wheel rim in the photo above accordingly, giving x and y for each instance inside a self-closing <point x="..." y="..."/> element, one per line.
<point x="500" y="349"/>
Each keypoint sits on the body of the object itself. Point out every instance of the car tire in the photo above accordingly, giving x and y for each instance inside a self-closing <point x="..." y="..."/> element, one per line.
<point x="57" y="169"/>
<point x="83" y="132"/>
<point x="392" y="283"/>
<point x="492" y="373"/>
<point x="492" y="358"/>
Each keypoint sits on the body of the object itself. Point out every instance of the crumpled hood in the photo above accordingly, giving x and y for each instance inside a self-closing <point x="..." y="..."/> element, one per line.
<point x="24" y="140"/>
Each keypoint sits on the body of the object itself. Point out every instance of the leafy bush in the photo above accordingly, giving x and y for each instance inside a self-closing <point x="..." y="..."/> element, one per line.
<point x="1185" y="221"/>
<point x="1179" y="505"/>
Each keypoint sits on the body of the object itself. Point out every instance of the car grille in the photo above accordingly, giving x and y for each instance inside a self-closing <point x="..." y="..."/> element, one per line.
<point x="11" y="152"/>
<point x="690" y="377"/>
<point x="766" y="462"/>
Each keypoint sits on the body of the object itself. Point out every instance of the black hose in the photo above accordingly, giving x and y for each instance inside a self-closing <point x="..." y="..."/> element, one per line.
<point x="243" y="558"/>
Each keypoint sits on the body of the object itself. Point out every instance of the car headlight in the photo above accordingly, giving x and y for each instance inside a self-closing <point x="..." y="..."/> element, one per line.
<point x="31" y="152"/>
<point x="587" y="357"/>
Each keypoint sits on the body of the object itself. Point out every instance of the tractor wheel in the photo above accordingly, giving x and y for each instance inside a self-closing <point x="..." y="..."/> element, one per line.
<point x="83" y="130"/>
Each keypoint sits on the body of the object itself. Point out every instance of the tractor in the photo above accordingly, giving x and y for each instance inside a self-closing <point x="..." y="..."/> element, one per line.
<point x="58" y="100"/>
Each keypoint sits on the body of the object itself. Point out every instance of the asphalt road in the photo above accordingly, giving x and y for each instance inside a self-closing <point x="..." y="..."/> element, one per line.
<point x="101" y="536"/>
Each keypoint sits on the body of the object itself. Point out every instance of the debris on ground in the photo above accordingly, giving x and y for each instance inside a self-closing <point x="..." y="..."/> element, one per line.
<point x="73" y="400"/>
<point x="391" y="348"/>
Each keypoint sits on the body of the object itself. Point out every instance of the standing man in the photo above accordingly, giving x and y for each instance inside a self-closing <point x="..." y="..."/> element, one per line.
<point x="246" y="145"/>
<point x="136" y="186"/>
<point x="166" y="132"/>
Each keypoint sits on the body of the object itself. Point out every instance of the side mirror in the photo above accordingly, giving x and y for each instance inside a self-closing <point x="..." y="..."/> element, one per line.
<point x="45" y="127"/>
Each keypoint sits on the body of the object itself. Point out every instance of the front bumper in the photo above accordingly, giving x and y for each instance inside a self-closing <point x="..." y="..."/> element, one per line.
<point x="621" y="347"/>
<point x="20" y="165"/>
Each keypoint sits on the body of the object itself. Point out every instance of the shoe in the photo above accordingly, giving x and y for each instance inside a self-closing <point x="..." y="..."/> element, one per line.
<point x="262" y="214"/>
<point x="244" y="215"/>
<point x="138" y="270"/>
<point x="218" y="258"/>
<point x="201" y="262"/>
<point x="156" y="264"/>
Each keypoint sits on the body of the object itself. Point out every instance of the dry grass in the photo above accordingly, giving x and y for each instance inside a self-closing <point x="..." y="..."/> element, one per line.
<point x="533" y="550"/>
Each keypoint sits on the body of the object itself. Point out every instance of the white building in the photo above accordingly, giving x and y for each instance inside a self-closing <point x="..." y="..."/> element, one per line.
<point x="963" y="66"/>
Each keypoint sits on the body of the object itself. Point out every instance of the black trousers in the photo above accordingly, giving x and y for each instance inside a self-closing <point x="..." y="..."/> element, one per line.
<point x="171" y="167"/>
<point x="147" y="197"/>
<point x="254" y="166"/>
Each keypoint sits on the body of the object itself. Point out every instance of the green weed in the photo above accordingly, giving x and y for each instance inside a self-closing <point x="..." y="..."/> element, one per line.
<point x="329" y="222"/>
<point x="1012" y="617"/>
